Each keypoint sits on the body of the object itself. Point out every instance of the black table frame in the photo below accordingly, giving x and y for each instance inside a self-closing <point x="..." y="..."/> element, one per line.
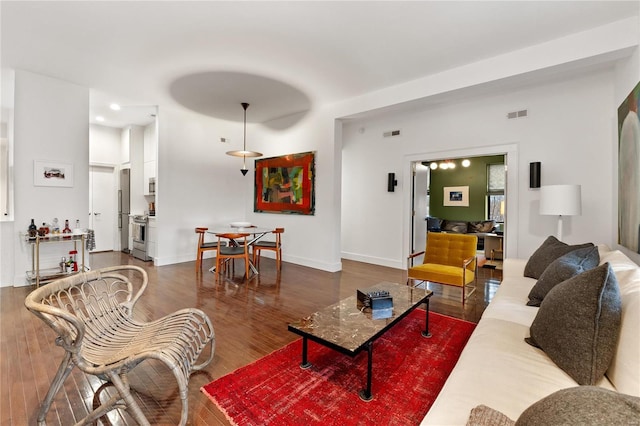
<point x="365" y="394"/>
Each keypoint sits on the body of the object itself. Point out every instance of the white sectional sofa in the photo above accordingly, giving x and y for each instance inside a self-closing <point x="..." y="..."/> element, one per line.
<point x="498" y="369"/>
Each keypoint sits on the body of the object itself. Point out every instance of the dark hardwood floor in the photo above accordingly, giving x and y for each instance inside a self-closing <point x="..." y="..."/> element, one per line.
<point x="250" y="321"/>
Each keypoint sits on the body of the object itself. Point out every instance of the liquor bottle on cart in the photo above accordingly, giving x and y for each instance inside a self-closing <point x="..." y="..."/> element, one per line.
<point x="33" y="230"/>
<point x="66" y="229"/>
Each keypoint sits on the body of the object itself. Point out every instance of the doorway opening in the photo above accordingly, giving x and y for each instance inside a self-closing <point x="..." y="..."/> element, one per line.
<point x="461" y="194"/>
<point x="102" y="202"/>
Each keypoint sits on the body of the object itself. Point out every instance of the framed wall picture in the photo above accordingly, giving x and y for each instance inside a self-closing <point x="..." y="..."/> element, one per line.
<point x="629" y="171"/>
<point x="456" y="196"/>
<point x="285" y="184"/>
<point x="52" y="173"/>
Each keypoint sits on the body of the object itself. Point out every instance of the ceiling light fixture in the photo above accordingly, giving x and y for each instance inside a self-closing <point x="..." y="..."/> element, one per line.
<point x="115" y="107"/>
<point x="448" y="164"/>
<point x="99" y="118"/>
<point x="244" y="153"/>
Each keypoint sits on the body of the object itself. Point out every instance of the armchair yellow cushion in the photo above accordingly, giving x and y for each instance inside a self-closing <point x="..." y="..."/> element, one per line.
<point x="443" y="274"/>
<point x="448" y="259"/>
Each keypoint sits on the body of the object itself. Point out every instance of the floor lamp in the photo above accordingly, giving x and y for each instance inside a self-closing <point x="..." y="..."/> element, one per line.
<point x="561" y="200"/>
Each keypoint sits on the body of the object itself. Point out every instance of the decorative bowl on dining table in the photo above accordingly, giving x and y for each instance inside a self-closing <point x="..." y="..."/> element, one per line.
<point x="240" y="224"/>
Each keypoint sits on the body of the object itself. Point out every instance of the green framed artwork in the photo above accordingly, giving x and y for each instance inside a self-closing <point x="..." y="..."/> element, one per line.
<point x="285" y="184"/>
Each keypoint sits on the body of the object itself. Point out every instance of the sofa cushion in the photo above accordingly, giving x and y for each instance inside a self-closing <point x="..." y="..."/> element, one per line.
<point x="481" y="226"/>
<point x="571" y="264"/>
<point x="550" y="250"/>
<point x="624" y="371"/>
<point x="486" y="416"/>
<point x="583" y="405"/>
<point x="434" y="224"/>
<point x="499" y="369"/>
<point x="459" y="227"/>
<point x="578" y="323"/>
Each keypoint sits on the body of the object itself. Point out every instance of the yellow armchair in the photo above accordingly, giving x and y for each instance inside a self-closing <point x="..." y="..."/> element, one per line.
<point x="448" y="259"/>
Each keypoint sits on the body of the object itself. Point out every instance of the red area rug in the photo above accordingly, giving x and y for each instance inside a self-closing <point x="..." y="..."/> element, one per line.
<point x="408" y="373"/>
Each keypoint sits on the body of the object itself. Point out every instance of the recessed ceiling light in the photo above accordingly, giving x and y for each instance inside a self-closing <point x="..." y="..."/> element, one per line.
<point x="115" y="107"/>
<point x="99" y="118"/>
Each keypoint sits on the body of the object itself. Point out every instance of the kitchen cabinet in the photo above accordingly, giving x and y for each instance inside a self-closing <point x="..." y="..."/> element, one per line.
<point x="149" y="157"/>
<point x="151" y="239"/>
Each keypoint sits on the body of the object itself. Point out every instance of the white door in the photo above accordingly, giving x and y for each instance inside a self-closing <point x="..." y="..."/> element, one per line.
<point x="102" y="206"/>
<point x="420" y="194"/>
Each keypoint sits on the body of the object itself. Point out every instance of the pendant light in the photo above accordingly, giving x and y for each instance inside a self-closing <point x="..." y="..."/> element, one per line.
<point x="244" y="153"/>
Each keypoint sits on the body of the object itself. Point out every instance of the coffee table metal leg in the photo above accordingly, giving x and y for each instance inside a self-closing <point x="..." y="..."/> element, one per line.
<point x="305" y="364"/>
<point x="426" y="333"/>
<point x="365" y="394"/>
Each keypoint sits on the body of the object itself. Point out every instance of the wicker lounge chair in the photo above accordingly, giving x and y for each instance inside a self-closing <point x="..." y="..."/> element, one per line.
<point x="92" y="313"/>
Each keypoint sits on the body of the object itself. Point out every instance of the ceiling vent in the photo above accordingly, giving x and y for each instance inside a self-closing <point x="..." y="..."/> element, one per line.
<point x="518" y="114"/>
<point x="391" y="133"/>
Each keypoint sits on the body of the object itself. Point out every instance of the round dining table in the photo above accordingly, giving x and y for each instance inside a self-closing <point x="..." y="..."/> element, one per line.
<point x="256" y="233"/>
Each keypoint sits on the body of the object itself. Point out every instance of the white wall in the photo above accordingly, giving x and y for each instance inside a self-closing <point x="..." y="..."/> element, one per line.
<point x="308" y="240"/>
<point x="466" y="92"/>
<point x="51" y="123"/>
<point x="197" y="183"/>
<point x="569" y="121"/>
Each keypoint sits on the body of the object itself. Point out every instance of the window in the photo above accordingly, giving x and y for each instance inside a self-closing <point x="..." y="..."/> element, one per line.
<point x="495" y="192"/>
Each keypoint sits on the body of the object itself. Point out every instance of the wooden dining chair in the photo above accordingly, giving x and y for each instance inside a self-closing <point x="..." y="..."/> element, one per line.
<point x="203" y="246"/>
<point x="275" y="246"/>
<point x="232" y="246"/>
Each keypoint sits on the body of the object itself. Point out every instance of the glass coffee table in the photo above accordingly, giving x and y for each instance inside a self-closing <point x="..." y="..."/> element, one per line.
<point x="348" y="329"/>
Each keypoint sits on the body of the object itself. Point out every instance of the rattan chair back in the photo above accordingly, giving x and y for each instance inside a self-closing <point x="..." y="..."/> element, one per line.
<point x="92" y="314"/>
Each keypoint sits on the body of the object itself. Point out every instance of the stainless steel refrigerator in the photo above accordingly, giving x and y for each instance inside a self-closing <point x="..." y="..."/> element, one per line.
<point x="124" y="209"/>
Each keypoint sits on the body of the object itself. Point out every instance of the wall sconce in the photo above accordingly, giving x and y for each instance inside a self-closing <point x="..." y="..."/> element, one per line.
<point x="534" y="175"/>
<point x="391" y="182"/>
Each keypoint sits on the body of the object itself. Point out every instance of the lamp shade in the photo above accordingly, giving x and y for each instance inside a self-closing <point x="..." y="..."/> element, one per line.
<point x="561" y="200"/>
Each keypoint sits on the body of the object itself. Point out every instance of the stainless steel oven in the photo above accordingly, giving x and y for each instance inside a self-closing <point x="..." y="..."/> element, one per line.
<point x="139" y="232"/>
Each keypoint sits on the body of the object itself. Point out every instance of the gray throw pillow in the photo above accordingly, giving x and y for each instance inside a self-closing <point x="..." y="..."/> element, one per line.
<point x="578" y="324"/>
<point x="571" y="264"/>
<point x="549" y="251"/>
<point x="583" y="405"/>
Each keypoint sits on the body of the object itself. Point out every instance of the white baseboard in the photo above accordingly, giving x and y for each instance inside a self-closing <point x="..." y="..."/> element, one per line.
<point x="374" y="260"/>
<point x="311" y="263"/>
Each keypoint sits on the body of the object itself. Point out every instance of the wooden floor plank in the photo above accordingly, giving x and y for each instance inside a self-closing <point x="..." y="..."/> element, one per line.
<point x="250" y="320"/>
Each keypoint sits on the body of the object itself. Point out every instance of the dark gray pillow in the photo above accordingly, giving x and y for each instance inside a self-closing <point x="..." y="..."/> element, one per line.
<point x="549" y="251"/>
<point x="578" y="324"/>
<point x="583" y="405"/>
<point x="571" y="264"/>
